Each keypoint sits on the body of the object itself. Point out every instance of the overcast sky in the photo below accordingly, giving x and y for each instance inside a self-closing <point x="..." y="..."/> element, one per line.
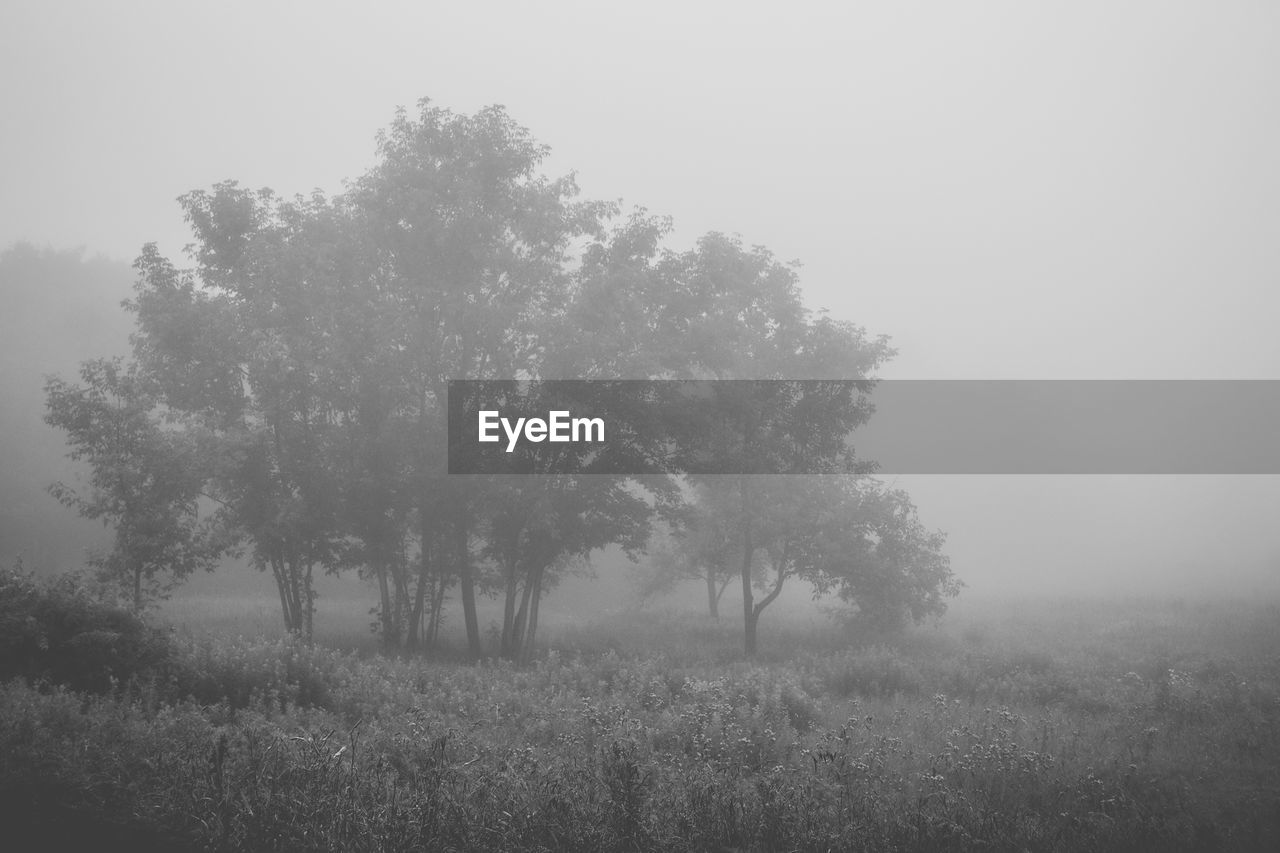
<point x="1008" y="189"/>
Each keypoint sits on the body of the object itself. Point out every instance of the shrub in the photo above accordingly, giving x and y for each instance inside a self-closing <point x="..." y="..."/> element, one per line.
<point x="62" y="631"/>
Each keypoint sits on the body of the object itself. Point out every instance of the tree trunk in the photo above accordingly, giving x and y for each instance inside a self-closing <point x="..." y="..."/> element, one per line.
<point x="437" y="609"/>
<point x="467" y="583"/>
<point x="509" y="611"/>
<point x="400" y="574"/>
<point x="713" y="600"/>
<point x="294" y="574"/>
<point x="780" y="566"/>
<point x="309" y="602"/>
<point x="277" y="571"/>
<point x="526" y="650"/>
<point x="389" y="638"/>
<point x="749" y="614"/>
<point x="415" y="636"/>
<point x="426" y="530"/>
<point x="521" y="620"/>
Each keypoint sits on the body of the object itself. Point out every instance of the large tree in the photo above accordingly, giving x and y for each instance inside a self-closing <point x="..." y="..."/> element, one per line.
<point x="474" y="242"/>
<point x="315" y="339"/>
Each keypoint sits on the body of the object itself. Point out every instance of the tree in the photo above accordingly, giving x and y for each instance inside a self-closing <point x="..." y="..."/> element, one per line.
<point x="315" y="338"/>
<point x="699" y="545"/>
<point x="724" y="311"/>
<point x="538" y="525"/>
<point x="242" y="352"/>
<point x="473" y="240"/>
<point x="555" y="504"/>
<point x="748" y="322"/>
<point x="882" y="561"/>
<point x="845" y="535"/>
<point x="145" y="481"/>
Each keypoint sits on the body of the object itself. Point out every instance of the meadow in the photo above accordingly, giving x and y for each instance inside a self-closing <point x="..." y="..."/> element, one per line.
<point x="1140" y="724"/>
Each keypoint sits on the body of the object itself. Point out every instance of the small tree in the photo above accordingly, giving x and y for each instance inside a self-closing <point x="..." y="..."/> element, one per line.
<point x="144" y="480"/>
<point x="700" y="543"/>
<point x="883" y="561"/>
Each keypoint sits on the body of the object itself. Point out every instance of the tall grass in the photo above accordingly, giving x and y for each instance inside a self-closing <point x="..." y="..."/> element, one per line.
<point x="1143" y="726"/>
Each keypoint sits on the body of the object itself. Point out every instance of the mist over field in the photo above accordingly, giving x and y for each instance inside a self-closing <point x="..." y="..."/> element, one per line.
<point x="245" y="249"/>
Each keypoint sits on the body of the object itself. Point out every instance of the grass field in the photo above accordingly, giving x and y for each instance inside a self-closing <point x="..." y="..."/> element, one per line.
<point x="1017" y="725"/>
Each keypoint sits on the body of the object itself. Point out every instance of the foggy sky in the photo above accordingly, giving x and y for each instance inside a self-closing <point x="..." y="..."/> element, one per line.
<point x="1009" y="190"/>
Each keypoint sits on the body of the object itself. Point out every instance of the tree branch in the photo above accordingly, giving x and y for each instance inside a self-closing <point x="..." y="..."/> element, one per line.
<point x="781" y="566"/>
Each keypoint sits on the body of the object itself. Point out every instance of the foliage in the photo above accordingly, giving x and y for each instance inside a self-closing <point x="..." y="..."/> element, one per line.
<point x="145" y="480"/>
<point x="845" y="535"/>
<point x="895" y="571"/>
<point x="743" y="318"/>
<point x="302" y="366"/>
<point x="313" y="342"/>
<point x="67" y="632"/>
<point x="240" y="352"/>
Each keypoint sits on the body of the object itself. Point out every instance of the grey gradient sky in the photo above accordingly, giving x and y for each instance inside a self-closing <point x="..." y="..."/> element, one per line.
<point x="1008" y="189"/>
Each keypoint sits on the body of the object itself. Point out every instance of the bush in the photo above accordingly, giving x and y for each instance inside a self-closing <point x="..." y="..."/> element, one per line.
<point x="62" y="631"/>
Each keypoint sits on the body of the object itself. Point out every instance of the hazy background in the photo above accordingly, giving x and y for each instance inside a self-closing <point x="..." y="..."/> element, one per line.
<point x="1009" y="190"/>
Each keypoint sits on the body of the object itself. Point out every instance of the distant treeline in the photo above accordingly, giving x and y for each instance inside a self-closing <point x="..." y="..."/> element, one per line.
<point x="57" y="308"/>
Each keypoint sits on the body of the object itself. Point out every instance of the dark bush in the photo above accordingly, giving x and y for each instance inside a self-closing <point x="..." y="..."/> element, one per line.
<point x="61" y="631"/>
<point x="67" y="631"/>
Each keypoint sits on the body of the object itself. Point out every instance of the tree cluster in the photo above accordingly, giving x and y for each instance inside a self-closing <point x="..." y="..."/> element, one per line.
<point x="293" y="382"/>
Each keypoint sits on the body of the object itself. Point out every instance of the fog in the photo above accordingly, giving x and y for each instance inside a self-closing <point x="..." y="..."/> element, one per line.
<point x="1083" y="191"/>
